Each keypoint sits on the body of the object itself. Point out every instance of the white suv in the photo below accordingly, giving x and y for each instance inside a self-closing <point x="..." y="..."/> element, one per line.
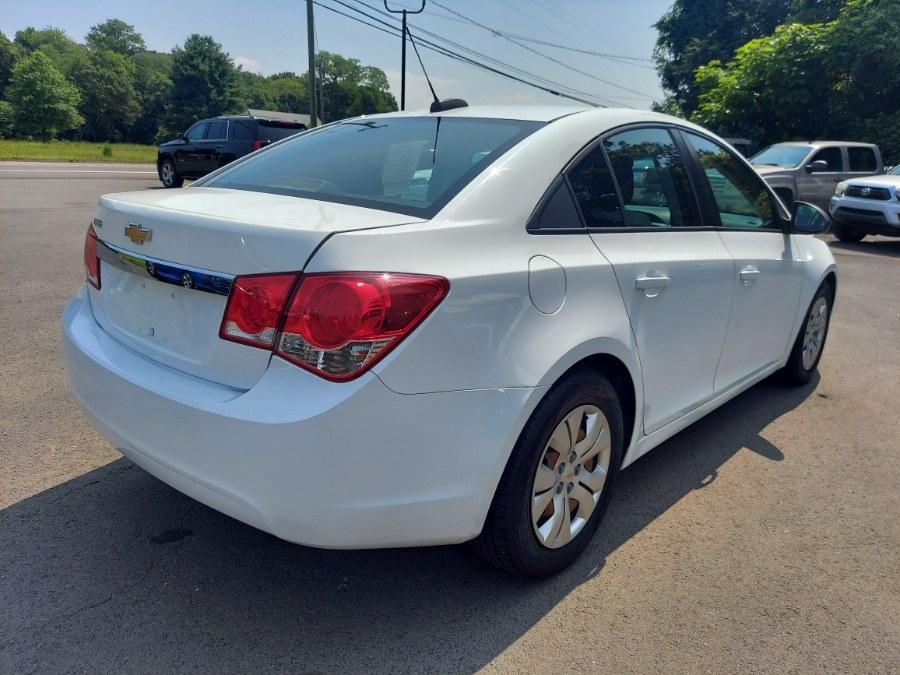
<point x="867" y="206"/>
<point x="420" y="328"/>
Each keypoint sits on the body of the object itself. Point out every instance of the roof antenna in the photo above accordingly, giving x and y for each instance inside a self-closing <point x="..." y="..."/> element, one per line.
<point x="437" y="105"/>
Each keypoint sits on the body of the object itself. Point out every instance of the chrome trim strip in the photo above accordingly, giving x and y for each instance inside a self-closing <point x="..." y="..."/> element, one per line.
<point x="165" y="271"/>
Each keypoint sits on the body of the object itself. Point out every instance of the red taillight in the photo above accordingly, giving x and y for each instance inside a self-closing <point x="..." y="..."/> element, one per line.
<point x="254" y="309"/>
<point x="336" y="325"/>
<point x="91" y="261"/>
<point x="256" y="145"/>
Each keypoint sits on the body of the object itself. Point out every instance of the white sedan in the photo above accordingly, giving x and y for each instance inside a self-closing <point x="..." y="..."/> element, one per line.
<point x="417" y="329"/>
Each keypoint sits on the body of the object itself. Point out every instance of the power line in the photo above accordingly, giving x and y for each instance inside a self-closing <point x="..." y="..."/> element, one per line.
<point x="459" y="57"/>
<point x="578" y="24"/>
<point x="636" y="61"/>
<point x="507" y="37"/>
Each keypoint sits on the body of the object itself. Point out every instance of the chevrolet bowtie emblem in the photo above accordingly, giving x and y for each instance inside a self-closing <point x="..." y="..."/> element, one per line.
<point x="138" y="234"/>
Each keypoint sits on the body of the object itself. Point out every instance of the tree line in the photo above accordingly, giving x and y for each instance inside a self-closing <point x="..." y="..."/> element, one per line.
<point x="112" y="88"/>
<point x="775" y="70"/>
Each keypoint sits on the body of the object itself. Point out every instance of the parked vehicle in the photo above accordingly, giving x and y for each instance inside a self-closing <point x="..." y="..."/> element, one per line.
<point x="867" y="206"/>
<point x="417" y="329"/>
<point x="809" y="171"/>
<point x="215" y="142"/>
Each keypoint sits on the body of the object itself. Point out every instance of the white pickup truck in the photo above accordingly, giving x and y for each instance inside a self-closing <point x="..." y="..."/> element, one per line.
<point x="870" y="205"/>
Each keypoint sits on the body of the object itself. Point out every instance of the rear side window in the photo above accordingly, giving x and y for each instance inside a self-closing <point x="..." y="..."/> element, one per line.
<point x="741" y="198"/>
<point x="559" y="211"/>
<point x="216" y="130"/>
<point x="274" y="131"/>
<point x="652" y="179"/>
<point x="595" y="191"/>
<point x="410" y="165"/>
<point x="242" y="131"/>
<point x="831" y="156"/>
<point x="862" y="159"/>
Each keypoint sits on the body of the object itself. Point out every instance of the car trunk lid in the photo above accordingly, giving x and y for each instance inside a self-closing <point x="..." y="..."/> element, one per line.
<point x="168" y="258"/>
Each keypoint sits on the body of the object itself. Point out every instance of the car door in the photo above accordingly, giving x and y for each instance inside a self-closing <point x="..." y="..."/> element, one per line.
<point x="209" y="150"/>
<point x="768" y="264"/>
<point x="674" y="274"/>
<point x="187" y="157"/>
<point x="817" y="187"/>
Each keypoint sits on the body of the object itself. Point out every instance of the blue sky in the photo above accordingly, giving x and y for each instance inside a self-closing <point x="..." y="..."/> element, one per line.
<point x="270" y="36"/>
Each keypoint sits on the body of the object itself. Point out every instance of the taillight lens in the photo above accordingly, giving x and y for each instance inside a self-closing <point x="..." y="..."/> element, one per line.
<point x="337" y="325"/>
<point x="256" y="145"/>
<point x="91" y="261"/>
<point x="254" y="309"/>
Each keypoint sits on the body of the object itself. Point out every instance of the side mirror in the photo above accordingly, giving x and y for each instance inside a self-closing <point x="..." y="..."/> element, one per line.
<point x="818" y="166"/>
<point x="809" y="219"/>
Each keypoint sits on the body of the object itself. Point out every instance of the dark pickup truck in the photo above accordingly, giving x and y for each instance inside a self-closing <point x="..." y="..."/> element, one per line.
<point x="216" y="141"/>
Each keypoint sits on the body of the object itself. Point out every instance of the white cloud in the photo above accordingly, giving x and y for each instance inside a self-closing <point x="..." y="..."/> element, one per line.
<point x="246" y="64"/>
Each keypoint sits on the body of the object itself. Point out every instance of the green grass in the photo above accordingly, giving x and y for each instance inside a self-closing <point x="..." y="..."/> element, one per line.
<point x="77" y="151"/>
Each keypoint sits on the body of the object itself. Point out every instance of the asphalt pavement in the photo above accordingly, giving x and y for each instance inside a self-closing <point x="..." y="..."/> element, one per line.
<point x="766" y="537"/>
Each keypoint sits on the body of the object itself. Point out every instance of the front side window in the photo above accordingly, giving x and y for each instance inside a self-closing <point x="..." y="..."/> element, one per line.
<point x="217" y="130"/>
<point x="595" y="191"/>
<point x="652" y="179"/>
<point x="862" y="159"/>
<point x="832" y="157"/>
<point x="196" y="132"/>
<point x="784" y="156"/>
<point x="410" y="165"/>
<point x="741" y="198"/>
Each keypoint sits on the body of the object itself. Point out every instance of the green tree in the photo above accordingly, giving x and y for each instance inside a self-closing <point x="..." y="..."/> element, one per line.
<point x="109" y="102"/>
<point x="204" y="83"/>
<point x="6" y="119"/>
<point x="838" y="79"/>
<point x="153" y="83"/>
<point x="694" y="32"/>
<point x="116" y="36"/>
<point x="289" y="93"/>
<point x="8" y="53"/>
<point x="349" y="88"/>
<point x="43" y="102"/>
<point x="253" y="90"/>
<point x="66" y="54"/>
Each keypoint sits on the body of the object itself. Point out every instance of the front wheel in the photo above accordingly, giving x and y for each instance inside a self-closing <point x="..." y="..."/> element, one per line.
<point x="845" y="233"/>
<point x="810" y="343"/>
<point x="169" y="175"/>
<point x="558" y="481"/>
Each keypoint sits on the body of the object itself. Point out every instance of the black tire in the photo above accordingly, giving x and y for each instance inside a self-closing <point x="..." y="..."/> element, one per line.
<point x="846" y="233"/>
<point x="508" y="540"/>
<point x="795" y="373"/>
<point x="169" y="175"/>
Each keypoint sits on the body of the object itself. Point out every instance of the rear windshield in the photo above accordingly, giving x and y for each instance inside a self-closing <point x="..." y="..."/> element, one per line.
<point x="785" y="156"/>
<point x="275" y="131"/>
<point x="409" y="165"/>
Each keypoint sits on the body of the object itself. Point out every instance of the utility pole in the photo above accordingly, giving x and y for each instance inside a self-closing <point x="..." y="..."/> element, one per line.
<point x="311" y="40"/>
<point x="404" y="12"/>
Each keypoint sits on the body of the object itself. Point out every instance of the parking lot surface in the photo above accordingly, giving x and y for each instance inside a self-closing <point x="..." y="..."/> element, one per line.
<point x="766" y="537"/>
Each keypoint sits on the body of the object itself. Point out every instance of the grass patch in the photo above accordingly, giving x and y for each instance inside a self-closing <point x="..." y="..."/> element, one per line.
<point x="77" y="151"/>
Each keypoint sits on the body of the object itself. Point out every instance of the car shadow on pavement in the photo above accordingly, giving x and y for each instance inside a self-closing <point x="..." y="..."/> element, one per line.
<point x="887" y="247"/>
<point x="115" y="571"/>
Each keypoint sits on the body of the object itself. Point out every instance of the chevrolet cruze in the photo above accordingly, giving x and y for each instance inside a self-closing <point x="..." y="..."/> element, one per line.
<point x="430" y="328"/>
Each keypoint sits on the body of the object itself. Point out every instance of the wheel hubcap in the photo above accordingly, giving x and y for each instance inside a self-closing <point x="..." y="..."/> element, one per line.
<point x="815" y="332"/>
<point x="566" y="491"/>
<point x="167" y="173"/>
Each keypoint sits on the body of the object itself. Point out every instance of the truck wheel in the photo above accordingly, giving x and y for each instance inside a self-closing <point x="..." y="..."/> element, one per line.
<point x="845" y="233"/>
<point x="169" y="175"/>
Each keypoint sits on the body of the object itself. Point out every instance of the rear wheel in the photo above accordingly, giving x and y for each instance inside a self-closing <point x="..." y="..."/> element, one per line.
<point x="558" y="481"/>
<point x="169" y="175"/>
<point x="810" y="342"/>
<point x="846" y="233"/>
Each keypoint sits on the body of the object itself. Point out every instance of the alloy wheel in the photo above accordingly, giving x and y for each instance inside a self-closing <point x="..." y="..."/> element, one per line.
<point x="814" y="336"/>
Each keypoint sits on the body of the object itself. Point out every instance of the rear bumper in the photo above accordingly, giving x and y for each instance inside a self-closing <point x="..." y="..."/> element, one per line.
<point x="350" y="465"/>
<point x="867" y="215"/>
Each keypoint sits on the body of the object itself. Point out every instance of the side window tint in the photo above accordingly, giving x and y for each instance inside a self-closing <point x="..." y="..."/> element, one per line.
<point x="242" y="131"/>
<point x="559" y="211"/>
<point x="741" y="198"/>
<point x="216" y="130"/>
<point x="596" y="194"/>
<point x="862" y="159"/>
<point x="196" y="132"/>
<point x="652" y="178"/>
<point x="832" y="156"/>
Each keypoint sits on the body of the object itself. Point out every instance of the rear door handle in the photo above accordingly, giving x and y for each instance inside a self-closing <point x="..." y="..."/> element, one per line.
<point x="749" y="275"/>
<point x="652" y="284"/>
